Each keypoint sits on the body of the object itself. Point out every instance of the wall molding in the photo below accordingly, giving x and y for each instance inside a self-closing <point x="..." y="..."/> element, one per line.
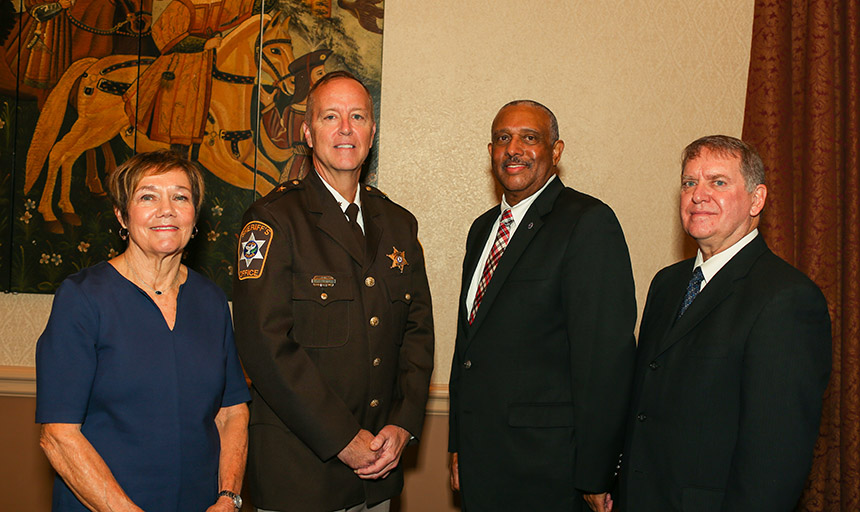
<point x="18" y="381"/>
<point x="21" y="381"/>
<point x="437" y="404"/>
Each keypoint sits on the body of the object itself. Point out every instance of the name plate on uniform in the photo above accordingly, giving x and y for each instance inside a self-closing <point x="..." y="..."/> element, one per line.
<point x="323" y="281"/>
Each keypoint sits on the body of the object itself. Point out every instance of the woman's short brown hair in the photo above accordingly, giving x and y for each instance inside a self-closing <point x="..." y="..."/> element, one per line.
<point x="122" y="182"/>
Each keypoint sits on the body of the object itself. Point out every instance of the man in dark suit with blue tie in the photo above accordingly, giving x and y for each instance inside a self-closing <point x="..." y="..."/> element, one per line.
<point x="544" y="352"/>
<point x="733" y="356"/>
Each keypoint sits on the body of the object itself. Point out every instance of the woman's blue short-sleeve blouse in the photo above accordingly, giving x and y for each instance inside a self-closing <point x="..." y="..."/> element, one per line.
<point x="146" y="396"/>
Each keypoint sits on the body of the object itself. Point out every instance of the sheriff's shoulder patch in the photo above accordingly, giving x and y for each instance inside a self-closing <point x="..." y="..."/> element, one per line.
<point x="254" y="243"/>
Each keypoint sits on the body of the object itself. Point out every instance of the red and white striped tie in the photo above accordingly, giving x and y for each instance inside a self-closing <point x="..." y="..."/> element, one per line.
<point x="503" y="235"/>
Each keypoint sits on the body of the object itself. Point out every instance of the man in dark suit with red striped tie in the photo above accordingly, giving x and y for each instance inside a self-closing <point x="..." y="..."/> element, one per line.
<point x="544" y="352"/>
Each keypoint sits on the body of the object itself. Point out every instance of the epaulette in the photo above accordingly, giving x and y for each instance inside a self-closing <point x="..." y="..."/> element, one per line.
<point x="281" y="190"/>
<point x="289" y="185"/>
<point x="375" y="191"/>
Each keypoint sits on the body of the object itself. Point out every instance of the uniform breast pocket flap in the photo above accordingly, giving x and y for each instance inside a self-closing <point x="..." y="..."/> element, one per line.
<point x="324" y="289"/>
<point x="322" y="303"/>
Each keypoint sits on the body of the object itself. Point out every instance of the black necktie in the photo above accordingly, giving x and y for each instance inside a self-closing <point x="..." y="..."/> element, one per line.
<point x="693" y="288"/>
<point x="352" y="215"/>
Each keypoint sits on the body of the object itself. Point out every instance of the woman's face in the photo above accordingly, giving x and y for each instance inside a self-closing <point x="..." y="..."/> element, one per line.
<point x="161" y="213"/>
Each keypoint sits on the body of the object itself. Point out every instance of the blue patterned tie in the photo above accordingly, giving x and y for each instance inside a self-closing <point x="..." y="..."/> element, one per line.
<point x="692" y="290"/>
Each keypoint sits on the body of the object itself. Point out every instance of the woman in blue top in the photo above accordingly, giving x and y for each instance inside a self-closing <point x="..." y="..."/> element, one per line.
<point x="141" y="396"/>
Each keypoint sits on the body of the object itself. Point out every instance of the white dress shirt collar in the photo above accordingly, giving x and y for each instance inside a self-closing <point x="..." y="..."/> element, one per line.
<point x="719" y="260"/>
<point x="343" y="203"/>
<point x="520" y="209"/>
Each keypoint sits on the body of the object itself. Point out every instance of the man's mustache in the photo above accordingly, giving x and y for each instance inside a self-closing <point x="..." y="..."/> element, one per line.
<point x="515" y="161"/>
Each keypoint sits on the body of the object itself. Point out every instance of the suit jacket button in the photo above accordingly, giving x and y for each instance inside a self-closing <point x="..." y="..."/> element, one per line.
<point x="374" y="321"/>
<point x="374" y="403"/>
<point x="641" y="417"/>
<point x="467" y="364"/>
<point x="654" y="365"/>
<point x="377" y="361"/>
<point x="369" y="282"/>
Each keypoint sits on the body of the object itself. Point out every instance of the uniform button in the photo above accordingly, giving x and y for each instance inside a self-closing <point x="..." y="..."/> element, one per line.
<point x="641" y="417"/>
<point x="296" y="182"/>
<point x="654" y="365"/>
<point x="374" y="321"/>
<point x="467" y="364"/>
<point x="323" y="296"/>
<point x="369" y="282"/>
<point x="374" y="403"/>
<point x="408" y="296"/>
<point x="377" y="361"/>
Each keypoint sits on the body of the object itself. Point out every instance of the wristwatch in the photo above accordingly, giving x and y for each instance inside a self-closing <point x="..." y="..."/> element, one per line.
<point x="237" y="500"/>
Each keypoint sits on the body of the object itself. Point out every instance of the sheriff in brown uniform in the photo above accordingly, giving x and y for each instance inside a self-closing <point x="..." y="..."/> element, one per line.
<point x="333" y="323"/>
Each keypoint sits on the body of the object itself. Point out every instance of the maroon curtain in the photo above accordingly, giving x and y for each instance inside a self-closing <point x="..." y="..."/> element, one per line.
<point x="803" y="114"/>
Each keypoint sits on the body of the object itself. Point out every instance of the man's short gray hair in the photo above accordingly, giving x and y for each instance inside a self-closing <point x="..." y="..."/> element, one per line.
<point x="752" y="168"/>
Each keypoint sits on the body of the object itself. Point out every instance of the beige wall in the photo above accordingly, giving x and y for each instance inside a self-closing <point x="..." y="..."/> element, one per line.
<point x="631" y="83"/>
<point x="22" y="318"/>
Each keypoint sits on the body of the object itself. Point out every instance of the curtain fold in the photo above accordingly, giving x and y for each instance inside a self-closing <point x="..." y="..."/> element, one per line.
<point x="803" y="114"/>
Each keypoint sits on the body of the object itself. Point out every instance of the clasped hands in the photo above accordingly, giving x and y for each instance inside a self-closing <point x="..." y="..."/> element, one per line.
<point x="373" y="457"/>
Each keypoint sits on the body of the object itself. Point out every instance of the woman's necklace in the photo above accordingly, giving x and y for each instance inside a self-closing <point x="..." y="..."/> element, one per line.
<point x="137" y="277"/>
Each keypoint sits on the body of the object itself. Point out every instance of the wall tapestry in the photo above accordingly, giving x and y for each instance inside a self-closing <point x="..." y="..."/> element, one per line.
<point x="84" y="84"/>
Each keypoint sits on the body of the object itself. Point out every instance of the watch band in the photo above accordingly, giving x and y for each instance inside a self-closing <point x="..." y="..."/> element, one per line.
<point x="237" y="500"/>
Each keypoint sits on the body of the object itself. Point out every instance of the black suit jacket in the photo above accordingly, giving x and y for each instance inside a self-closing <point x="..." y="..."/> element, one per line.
<point x="727" y="399"/>
<point x="332" y="341"/>
<point x="539" y="382"/>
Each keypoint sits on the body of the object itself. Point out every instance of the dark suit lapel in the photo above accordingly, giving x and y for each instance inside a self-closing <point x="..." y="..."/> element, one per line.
<point x="332" y="220"/>
<point x="662" y="306"/>
<point x="526" y="231"/>
<point x="719" y="289"/>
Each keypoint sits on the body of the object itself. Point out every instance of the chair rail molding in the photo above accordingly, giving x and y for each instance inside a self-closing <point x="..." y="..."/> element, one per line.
<point x="21" y="381"/>
<point x="18" y="381"/>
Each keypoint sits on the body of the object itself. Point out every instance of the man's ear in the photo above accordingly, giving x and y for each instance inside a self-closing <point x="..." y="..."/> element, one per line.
<point x="307" y="131"/>
<point x="759" y="196"/>
<point x="557" y="150"/>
